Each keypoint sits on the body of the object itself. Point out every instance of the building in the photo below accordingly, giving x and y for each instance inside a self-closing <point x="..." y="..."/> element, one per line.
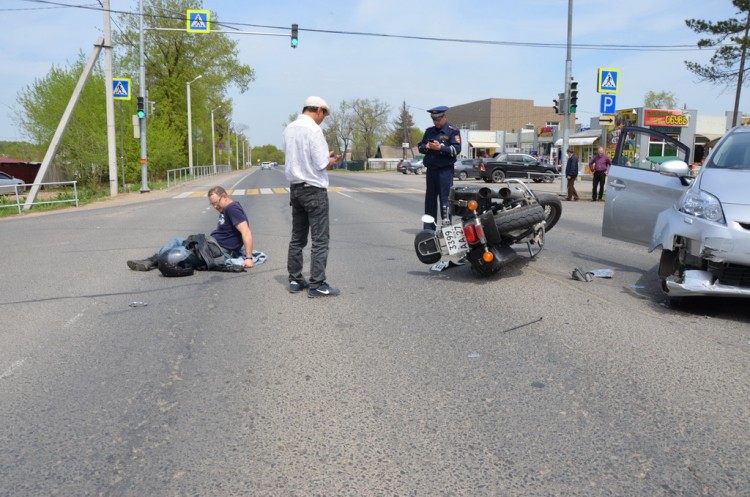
<point x="527" y="127"/>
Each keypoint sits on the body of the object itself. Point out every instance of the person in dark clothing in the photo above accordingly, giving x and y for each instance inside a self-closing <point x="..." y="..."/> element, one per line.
<point x="232" y="233"/>
<point x="571" y="173"/>
<point x="441" y="145"/>
<point x="599" y="165"/>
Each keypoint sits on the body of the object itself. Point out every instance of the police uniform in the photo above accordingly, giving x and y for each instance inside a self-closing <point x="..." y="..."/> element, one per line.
<point x="439" y="164"/>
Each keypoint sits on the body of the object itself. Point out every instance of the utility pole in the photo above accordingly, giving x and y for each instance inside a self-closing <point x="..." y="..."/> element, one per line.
<point x="109" y="101"/>
<point x="142" y="120"/>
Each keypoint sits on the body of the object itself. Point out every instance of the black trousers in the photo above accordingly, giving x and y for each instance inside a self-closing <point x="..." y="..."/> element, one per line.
<point x="309" y="215"/>
<point x="599" y="178"/>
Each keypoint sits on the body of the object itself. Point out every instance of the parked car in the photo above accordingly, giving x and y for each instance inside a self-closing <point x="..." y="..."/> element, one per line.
<point x="408" y="166"/>
<point x="701" y="224"/>
<point x="10" y="185"/>
<point x="505" y="165"/>
<point x="467" y="168"/>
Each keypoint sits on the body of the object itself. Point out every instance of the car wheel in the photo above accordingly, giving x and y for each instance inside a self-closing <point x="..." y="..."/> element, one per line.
<point x="462" y="176"/>
<point x="498" y="175"/>
<point x="548" y="177"/>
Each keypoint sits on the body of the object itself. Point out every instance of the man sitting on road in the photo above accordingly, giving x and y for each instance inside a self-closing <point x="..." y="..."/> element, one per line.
<point x="232" y="235"/>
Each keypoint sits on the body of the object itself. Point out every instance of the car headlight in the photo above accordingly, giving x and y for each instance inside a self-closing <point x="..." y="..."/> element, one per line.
<point x="703" y="205"/>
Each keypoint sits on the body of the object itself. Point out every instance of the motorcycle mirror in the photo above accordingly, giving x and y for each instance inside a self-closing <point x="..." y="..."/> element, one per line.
<point x="428" y="219"/>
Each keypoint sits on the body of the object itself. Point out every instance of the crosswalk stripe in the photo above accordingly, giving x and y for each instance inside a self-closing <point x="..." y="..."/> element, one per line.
<point x="280" y="190"/>
<point x="266" y="191"/>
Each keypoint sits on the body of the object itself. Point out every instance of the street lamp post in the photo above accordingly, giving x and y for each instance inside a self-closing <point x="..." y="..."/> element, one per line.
<point x="213" y="138"/>
<point x="190" y="126"/>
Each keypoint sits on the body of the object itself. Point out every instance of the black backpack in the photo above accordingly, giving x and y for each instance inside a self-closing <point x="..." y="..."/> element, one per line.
<point x="208" y="250"/>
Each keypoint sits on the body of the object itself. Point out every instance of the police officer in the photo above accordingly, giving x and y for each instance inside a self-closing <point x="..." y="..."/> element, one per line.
<point x="441" y="144"/>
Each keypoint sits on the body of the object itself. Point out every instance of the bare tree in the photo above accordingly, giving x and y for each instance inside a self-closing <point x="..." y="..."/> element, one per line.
<point x="339" y="127"/>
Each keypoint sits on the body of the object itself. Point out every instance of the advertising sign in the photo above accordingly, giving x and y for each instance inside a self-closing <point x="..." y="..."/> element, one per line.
<point x="663" y="117"/>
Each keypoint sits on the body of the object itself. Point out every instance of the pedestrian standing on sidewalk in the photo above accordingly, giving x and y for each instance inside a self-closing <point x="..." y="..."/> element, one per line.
<point x="599" y="165"/>
<point x="571" y="173"/>
<point x="307" y="158"/>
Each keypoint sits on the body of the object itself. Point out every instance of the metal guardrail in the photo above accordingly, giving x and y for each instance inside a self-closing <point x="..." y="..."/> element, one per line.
<point x="20" y="201"/>
<point x="183" y="175"/>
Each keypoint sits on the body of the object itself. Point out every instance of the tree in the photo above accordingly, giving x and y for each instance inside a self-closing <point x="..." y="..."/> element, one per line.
<point x="403" y="129"/>
<point x="268" y="153"/>
<point x="370" y="120"/>
<point x="660" y="100"/>
<point x="728" y="62"/>
<point x="173" y="58"/>
<point x="339" y="127"/>
<point x="82" y="152"/>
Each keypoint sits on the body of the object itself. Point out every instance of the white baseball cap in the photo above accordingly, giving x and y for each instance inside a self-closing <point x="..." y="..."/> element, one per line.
<point x="313" y="101"/>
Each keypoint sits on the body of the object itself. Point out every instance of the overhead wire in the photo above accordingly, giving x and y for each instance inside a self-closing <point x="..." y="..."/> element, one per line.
<point x="233" y="25"/>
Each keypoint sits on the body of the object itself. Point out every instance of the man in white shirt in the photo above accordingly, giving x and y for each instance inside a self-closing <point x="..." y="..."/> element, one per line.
<point x="307" y="158"/>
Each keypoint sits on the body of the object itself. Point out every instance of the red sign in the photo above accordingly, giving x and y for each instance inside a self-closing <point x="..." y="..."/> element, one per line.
<point x="662" y="117"/>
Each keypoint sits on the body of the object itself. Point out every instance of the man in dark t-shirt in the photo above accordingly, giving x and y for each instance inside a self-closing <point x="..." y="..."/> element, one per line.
<point x="232" y="233"/>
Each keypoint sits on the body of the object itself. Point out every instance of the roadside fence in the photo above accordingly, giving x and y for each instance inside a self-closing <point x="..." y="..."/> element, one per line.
<point x="21" y="200"/>
<point x="182" y="175"/>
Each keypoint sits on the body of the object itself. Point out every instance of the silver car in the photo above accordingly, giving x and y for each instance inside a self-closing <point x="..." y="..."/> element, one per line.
<point x="10" y="185"/>
<point x="701" y="224"/>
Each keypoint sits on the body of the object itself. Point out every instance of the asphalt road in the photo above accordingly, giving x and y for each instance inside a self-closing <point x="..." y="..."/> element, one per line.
<point x="411" y="383"/>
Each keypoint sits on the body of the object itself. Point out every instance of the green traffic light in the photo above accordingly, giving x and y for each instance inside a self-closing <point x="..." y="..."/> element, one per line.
<point x="573" y="109"/>
<point x="295" y="41"/>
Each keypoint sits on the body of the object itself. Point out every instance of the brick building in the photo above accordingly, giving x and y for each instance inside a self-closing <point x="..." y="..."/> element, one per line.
<point x="504" y="114"/>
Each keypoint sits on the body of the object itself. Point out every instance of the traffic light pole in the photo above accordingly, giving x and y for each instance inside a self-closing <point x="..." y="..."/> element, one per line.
<point x="566" y="105"/>
<point x="142" y="120"/>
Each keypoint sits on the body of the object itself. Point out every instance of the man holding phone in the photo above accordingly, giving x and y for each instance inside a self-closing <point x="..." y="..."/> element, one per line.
<point x="307" y="158"/>
<point x="441" y="145"/>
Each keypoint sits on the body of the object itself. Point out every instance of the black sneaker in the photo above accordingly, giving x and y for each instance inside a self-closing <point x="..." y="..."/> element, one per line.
<point x="144" y="264"/>
<point x="324" y="290"/>
<point x="297" y="286"/>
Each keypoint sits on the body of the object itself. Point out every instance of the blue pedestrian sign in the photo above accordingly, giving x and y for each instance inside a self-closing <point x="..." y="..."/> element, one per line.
<point x="198" y="21"/>
<point x="607" y="104"/>
<point x="121" y="88"/>
<point x="608" y="80"/>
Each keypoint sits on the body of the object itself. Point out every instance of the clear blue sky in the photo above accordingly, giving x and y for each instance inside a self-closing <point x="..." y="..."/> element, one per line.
<point x="421" y="73"/>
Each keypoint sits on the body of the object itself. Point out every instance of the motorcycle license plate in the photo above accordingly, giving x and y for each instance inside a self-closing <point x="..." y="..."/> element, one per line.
<point x="455" y="241"/>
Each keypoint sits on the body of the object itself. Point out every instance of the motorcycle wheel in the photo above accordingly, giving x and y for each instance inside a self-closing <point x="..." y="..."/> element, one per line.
<point x="522" y="217"/>
<point x="552" y="209"/>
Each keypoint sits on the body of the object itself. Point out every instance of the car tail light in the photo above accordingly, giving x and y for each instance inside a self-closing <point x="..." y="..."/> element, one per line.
<point x="482" y="167"/>
<point x="471" y="234"/>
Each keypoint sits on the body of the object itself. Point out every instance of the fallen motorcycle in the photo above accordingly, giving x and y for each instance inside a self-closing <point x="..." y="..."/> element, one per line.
<point x="483" y="223"/>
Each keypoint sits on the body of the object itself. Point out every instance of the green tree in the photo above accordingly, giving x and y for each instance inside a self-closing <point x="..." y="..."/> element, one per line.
<point x="173" y="58"/>
<point x="267" y="153"/>
<point x="82" y="152"/>
<point x="660" y="100"/>
<point x="730" y="40"/>
<point x="370" y="124"/>
<point x="403" y="129"/>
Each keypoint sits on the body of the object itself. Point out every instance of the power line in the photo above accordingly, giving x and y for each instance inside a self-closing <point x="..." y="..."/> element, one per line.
<point x="579" y="46"/>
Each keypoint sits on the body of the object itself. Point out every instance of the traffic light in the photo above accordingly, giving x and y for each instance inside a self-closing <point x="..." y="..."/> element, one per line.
<point x="559" y="103"/>
<point x="141" y="108"/>
<point x="573" y="96"/>
<point x="295" y="37"/>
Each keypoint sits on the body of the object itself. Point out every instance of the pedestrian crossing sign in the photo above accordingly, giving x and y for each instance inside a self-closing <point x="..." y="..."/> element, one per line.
<point x="198" y="21"/>
<point x="121" y="88"/>
<point x="608" y="80"/>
